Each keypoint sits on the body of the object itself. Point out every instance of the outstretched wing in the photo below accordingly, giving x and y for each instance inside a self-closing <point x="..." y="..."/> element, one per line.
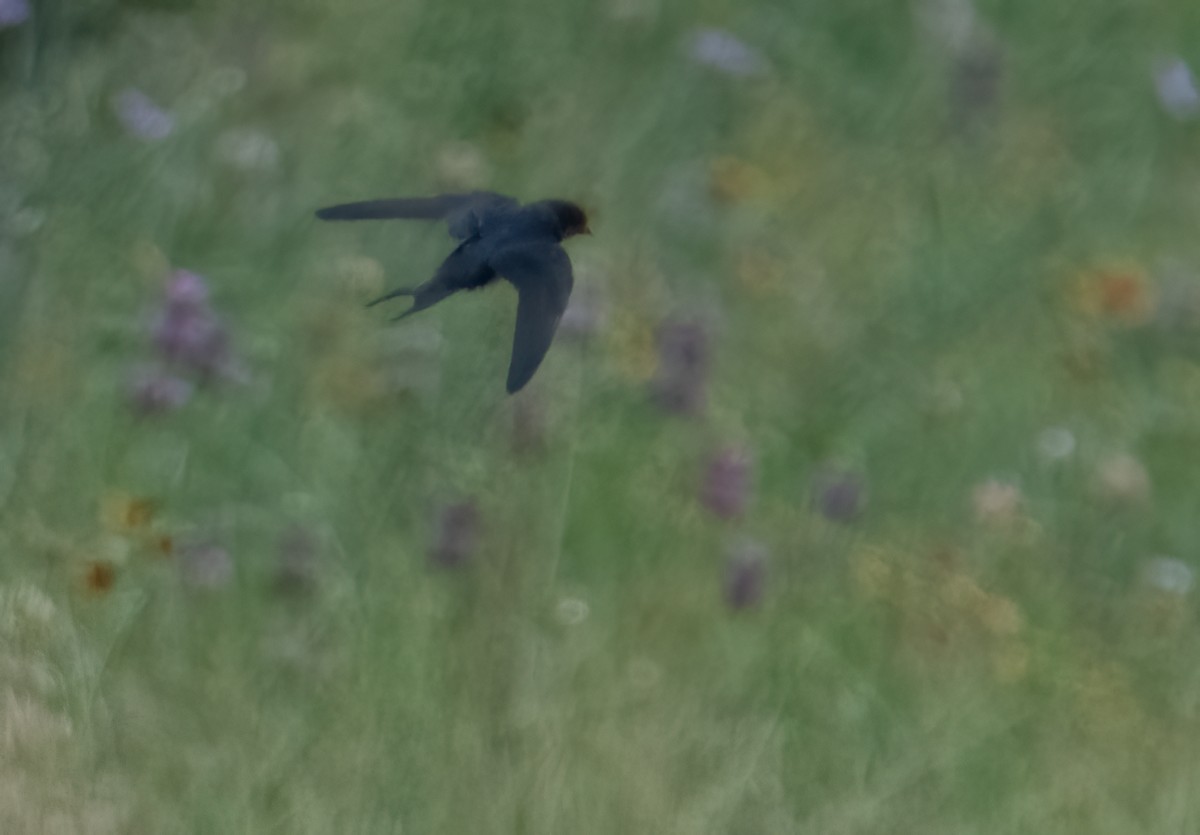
<point x="464" y="213"/>
<point x="541" y="272"/>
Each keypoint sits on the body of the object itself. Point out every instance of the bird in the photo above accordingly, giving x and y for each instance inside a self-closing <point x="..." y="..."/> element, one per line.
<point x="498" y="238"/>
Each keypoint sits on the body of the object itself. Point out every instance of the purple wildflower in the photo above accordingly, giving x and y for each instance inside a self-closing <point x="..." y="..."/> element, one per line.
<point x="192" y="339"/>
<point x="141" y="117"/>
<point x="153" y="391"/>
<point x="726" y="487"/>
<point x="839" y="496"/>
<point x="680" y="385"/>
<point x="975" y="81"/>
<point x="1176" y="88"/>
<point x="458" y="532"/>
<point x="745" y="574"/>
<point x="725" y="53"/>
<point x="205" y="566"/>
<point x="296" y="561"/>
<point x="188" y="333"/>
<point x="187" y="290"/>
<point x="13" y="12"/>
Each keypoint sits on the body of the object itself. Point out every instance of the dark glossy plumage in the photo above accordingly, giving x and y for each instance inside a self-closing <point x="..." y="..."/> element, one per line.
<point x="499" y="239"/>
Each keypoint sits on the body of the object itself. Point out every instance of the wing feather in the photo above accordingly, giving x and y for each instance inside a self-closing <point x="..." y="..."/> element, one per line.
<point x="464" y="213"/>
<point x="542" y="274"/>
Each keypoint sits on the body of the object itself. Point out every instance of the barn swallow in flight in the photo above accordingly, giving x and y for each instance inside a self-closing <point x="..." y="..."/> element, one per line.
<point x="499" y="239"/>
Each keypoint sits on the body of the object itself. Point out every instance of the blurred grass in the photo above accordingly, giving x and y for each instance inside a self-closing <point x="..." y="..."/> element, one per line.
<point x="884" y="292"/>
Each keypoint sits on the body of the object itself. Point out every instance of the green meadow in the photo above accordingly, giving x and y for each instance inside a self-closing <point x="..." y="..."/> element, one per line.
<point x="942" y="264"/>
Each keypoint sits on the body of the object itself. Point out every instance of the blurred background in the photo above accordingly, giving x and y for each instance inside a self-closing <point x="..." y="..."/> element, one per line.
<point x="856" y="495"/>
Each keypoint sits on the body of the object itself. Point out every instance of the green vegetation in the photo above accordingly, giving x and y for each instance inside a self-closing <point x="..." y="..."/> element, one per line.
<point x="951" y="261"/>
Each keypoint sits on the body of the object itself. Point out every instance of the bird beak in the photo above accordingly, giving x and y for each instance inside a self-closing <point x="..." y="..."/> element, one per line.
<point x="586" y="231"/>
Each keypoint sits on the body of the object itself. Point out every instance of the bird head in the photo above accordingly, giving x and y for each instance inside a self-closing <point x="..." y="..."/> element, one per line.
<point x="571" y="219"/>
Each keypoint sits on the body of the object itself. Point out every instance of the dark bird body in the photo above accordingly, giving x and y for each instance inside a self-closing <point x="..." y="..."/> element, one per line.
<point x="499" y="238"/>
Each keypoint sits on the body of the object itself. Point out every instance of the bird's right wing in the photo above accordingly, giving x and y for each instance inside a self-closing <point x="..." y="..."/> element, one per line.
<point x="541" y="272"/>
<point x="463" y="213"/>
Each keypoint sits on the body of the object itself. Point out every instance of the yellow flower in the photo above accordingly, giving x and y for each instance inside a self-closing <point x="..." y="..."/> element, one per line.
<point x="130" y="522"/>
<point x="123" y="513"/>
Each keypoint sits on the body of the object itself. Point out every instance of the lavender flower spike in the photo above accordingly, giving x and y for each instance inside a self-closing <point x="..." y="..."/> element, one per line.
<point x="745" y="574"/>
<point x="13" y="13"/>
<point x="188" y="333"/>
<point x="684" y="362"/>
<point x="726" y="487"/>
<point x="839" y="496"/>
<point x="725" y="53"/>
<point x="153" y="391"/>
<point x="140" y="116"/>
<point x="457" y="536"/>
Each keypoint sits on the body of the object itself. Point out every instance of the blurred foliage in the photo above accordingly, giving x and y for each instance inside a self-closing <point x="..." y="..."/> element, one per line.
<point x="941" y="251"/>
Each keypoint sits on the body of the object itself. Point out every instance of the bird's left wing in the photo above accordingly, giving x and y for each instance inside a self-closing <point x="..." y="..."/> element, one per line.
<point x="463" y="213"/>
<point x="541" y="272"/>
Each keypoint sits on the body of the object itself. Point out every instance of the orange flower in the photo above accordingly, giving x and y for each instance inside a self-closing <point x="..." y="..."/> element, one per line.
<point x="99" y="576"/>
<point x="1119" y="291"/>
<point x="122" y="513"/>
